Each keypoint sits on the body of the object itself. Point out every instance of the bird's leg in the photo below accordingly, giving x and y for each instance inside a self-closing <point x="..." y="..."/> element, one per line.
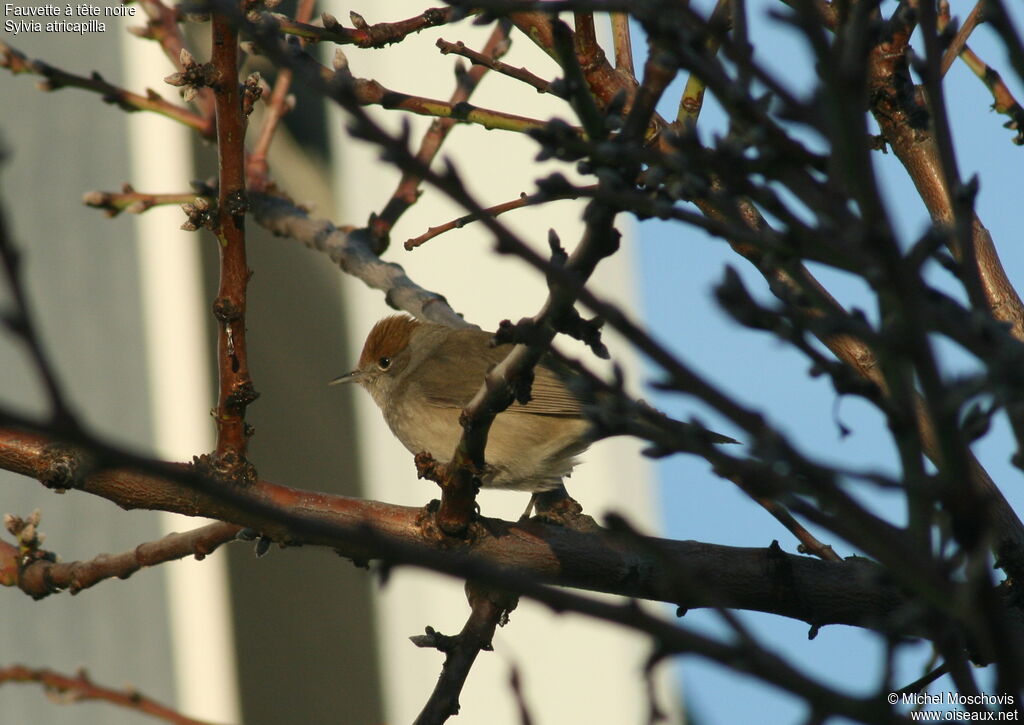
<point x="556" y="502"/>
<point x="551" y="504"/>
<point x="529" y="507"/>
<point x="557" y="507"/>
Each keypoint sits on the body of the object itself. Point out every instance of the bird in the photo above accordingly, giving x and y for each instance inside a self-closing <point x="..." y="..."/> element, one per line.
<point x="422" y="375"/>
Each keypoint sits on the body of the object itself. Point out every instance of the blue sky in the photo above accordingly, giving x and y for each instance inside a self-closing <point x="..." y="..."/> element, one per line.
<point x="680" y="266"/>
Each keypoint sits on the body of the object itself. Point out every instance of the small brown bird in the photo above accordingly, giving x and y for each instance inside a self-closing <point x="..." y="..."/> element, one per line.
<point x="421" y="375"/>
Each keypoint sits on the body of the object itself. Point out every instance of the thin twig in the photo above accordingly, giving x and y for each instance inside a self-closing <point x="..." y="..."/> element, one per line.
<point x="163" y="27"/>
<point x="692" y="100"/>
<point x="524" y="200"/>
<point x="372" y="93"/>
<point x="19" y="320"/>
<point x="135" y="202"/>
<point x="995" y="13"/>
<point x="1003" y="100"/>
<point x="80" y="688"/>
<point x="623" y="43"/>
<point x="489" y="608"/>
<point x="366" y="36"/>
<point x="277" y="106"/>
<point x="44" y="576"/>
<point x="55" y="79"/>
<point x="408" y="190"/>
<point x="520" y="74"/>
<point x="923" y="682"/>
<point x="516" y="685"/>
<point x="959" y="42"/>
<point x="808" y="542"/>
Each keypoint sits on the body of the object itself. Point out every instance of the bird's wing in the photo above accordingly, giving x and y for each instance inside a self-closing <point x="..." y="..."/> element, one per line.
<point x="549" y="396"/>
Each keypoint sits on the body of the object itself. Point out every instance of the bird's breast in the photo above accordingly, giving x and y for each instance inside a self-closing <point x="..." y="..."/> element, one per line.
<point x="421" y="427"/>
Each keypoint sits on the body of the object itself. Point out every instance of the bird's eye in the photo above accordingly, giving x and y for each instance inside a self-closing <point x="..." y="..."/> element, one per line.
<point x="384" y="363"/>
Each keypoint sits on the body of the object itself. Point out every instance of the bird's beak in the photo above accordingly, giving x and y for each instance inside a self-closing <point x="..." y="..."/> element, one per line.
<point x="352" y="377"/>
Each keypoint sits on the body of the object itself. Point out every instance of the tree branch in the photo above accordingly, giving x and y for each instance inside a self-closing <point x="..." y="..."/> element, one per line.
<point x="55" y="79"/>
<point x="365" y="35"/>
<point x="489" y="608"/>
<point x="503" y="554"/>
<point x="408" y="190"/>
<point x="352" y="250"/>
<point x="41" y="576"/>
<point x="235" y="389"/>
<point x="80" y="688"/>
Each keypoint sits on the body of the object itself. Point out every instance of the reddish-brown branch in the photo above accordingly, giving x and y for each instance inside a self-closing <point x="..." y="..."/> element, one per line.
<point x="80" y="688"/>
<point x="163" y="27"/>
<point x="408" y="190"/>
<point x="41" y="577"/>
<point x="604" y="82"/>
<point x="235" y="385"/>
<point x="924" y="170"/>
<point x="819" y="592"/>
<point x="257" y="170"/>
<point x="520" y="74"/>
<point x="10" y="563"/>
<point x="55" y="79"/>
<point x="587" y="48"/>
<point x="919" y="154"/>
<point x="367" y="36"/>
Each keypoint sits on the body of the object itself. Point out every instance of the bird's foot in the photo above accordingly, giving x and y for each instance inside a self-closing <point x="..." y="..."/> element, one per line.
<point x="557" y="507"/>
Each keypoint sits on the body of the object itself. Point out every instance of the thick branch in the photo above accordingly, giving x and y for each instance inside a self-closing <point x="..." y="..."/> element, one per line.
<point x="919" y="153"/>
<point x="924" y="168"/>
<point x="686" y="573"/>
<point x="236" y="390"/>
<point x="352" y="250"/>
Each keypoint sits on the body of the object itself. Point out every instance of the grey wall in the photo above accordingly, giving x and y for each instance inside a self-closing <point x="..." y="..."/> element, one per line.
<point x="81" y="273"/>
<point x="303" y="617"/>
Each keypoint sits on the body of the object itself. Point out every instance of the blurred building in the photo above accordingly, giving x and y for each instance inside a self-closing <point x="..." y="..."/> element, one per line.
<point x="299" y="635"/>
